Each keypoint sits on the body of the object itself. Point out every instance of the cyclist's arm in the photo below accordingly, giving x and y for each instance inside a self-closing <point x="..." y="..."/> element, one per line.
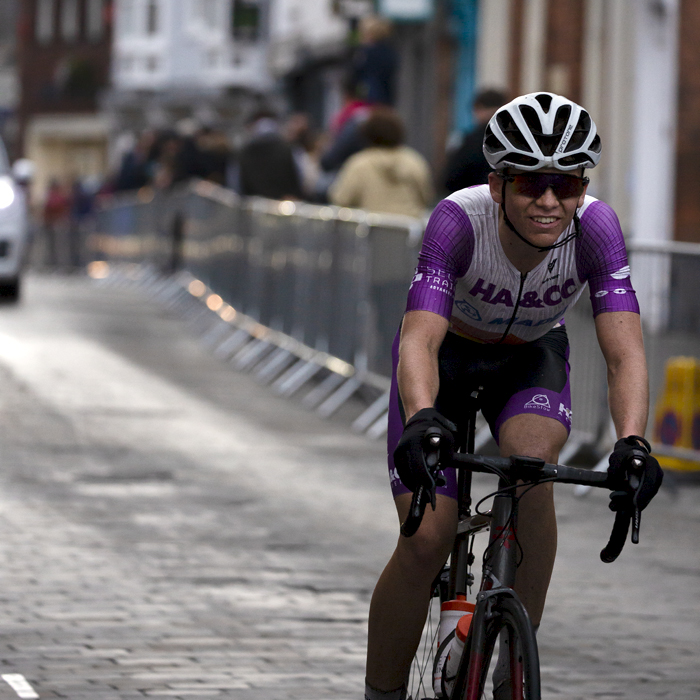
<point x="422" y="333"/>
<point x="446" y="253"/>
<point x="620" y="338"/>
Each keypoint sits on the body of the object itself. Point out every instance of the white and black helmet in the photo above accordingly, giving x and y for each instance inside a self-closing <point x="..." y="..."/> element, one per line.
<point x="541" y="130"/>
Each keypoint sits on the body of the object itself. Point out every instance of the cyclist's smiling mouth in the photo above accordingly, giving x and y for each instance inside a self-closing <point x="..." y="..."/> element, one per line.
<point x="544" y="216"/>
<point x="547" y="222"/>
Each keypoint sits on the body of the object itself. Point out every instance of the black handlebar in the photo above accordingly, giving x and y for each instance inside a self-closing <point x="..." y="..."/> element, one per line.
<point x="623" y="518"/>
<point x="426" y="492"/>
<point x="533" y="470"/>
<point x="618" y="537"/>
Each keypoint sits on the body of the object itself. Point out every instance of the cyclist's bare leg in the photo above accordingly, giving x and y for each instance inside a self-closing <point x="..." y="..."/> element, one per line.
<point x="535" y="436"/>
<point x="400" y="600"/>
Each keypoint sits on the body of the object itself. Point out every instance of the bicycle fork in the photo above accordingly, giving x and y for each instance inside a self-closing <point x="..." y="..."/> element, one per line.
<point x="500" y="563"/>
<point x="495" y="608"/>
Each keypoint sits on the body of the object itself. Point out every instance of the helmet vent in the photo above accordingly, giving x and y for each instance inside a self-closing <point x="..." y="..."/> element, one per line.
<point x="511" y="131"/>
<point x="580" y="134"/>
<point x="595" y="145"/>
<point x="561" y="120"/>
<point x="492" y="143"/>
<point x="545" y="101"/>
<point x="532" y="120"/>
<point x="517" y="159"/>
<point x="575" y="159"/>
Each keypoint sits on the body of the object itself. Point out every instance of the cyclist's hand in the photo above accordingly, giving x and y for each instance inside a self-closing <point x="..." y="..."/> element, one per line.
<point x="625" y="497"/>
<point x="409" y="453"/>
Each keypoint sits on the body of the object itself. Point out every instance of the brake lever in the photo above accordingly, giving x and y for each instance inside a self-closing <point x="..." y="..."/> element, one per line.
<point x="426" y="492"/>
<point x="635" y="482"/>
<point x="431" y="459"/>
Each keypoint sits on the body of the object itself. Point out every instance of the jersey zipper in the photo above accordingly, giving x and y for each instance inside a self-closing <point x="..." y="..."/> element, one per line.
<point x="523" y="277"/>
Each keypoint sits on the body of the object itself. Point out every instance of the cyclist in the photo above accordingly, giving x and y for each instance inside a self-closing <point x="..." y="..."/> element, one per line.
<point x="499" y="266"/>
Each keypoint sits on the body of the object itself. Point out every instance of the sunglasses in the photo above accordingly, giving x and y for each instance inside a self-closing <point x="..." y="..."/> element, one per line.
<point x="534" y="185"/>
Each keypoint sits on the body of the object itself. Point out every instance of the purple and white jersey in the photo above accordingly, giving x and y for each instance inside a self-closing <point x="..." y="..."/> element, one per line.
<point x="464" y="275"/>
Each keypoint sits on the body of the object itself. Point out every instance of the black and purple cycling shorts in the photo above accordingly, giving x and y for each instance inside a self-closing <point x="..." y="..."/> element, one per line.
<point x="528" y="378"/>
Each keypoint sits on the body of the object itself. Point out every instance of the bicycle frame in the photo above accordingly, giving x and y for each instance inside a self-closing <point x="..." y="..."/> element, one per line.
<point x="498" y="578"/>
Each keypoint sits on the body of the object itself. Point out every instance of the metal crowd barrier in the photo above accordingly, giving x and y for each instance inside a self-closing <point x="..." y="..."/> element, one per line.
<point x="305" y="292"/>
<point x="666" y="276"/>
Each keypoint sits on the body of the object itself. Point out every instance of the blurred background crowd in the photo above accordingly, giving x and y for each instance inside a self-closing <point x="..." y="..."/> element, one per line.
<point x="358" y="159"/>
<point x="376" y="104"/>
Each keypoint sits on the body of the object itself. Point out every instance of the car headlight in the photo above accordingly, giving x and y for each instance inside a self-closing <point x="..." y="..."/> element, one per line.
<point x="7" y="192"/>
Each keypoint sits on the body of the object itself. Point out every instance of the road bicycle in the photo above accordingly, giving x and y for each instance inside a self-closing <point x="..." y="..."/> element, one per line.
<point x="497" y="610"/>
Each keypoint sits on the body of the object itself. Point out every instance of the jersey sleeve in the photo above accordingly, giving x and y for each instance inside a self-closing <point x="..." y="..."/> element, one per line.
<point x="601" y="259"/>
<point x="448" y="246"/>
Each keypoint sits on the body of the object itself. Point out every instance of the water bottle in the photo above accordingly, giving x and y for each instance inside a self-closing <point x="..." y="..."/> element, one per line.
<point x="454" y="653"/>
<point x="451" y="612"/>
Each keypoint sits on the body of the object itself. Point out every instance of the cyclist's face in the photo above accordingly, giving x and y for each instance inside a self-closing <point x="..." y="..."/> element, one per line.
<point x="539" y="219"/>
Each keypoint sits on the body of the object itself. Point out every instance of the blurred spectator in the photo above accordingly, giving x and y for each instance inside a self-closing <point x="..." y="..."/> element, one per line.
<point x="386" y="176"/>
<point x="266" y="162"/>
<point x="136" y="167"/>
<point x="186" y="156"/>
<point x="81" y="204"/>
<point x="466" y="166"/>
<point x="56" y="214"/>
<point x="375" y="61"/>
<point x="345" y="132"/>
<point x="352" y="104"/>
<point x="214" y="155"/>
<point x="165" y="156"/>
<point x="345" y="136"/>
<point x="305" y="149"/>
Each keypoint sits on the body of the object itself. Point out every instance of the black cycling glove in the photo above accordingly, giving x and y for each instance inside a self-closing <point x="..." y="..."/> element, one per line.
<point x="625" y="497"/>
<point x="409" y="453"/>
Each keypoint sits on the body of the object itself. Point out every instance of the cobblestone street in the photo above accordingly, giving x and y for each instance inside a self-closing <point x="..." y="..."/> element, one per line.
<point x="170" y="528"/>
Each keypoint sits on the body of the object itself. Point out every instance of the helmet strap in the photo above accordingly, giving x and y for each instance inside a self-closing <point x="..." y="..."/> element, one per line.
<point x="542" y="249"/>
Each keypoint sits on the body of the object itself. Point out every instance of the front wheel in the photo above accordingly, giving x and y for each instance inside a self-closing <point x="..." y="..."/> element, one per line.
<point x="521" y="681"/>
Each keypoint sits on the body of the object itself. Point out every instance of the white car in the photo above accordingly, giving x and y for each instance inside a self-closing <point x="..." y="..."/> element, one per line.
<point x="14" y="231"/>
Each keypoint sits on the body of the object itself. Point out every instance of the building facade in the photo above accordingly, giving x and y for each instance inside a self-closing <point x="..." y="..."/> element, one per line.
<point x="9" y="83"/>
<point x="211" y="60"/>
<point x="63" y="58"/>
<point x="635" y="65"/>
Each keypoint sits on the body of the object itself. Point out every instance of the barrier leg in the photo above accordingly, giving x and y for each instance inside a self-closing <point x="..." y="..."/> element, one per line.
<point x="232" y="344"/>
<point x="339" y="397"/>
<point x="379" y="427"/>
<point x="250" y="354"/>
<point x="216" y="334"/>
<point x="294" y="378"/>
<point x="323" y="390"/>
<point x="372" y="413"/>
<point x="274" y="365"/>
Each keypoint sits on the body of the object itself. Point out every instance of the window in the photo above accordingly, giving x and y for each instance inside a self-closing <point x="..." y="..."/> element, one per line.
<point x="152" y="17"/>
<point x="4" y="163"/>
<point x="246" y="20"/>
<point x="127" y="64"/>
<point x="95" y="19"/>
<point x="213" y="58"/>
<point x="69" y="20"/>
<point x="44" y="27"/>
<point x="126" y="17"/>
<point x="208" y="12"/>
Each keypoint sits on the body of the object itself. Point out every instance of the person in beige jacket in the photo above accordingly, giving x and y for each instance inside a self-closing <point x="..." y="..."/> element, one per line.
<point x="386" y="176"/>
